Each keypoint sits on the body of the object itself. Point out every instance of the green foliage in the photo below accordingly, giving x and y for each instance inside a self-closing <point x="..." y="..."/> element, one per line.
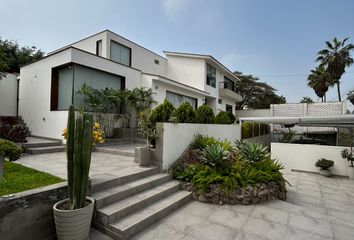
<point x="231" y="116"/>
<point x="202" y="141"/>
<point x="185" y="113"/>
<point x="223" y="118"/>
<point x="324" y="164"/>
<point x="79" y="146"/>
<point x="13" y="56"/>
<point x="145" y="127"/>
<point x="306" y="100"/>
<point x="348" y="155"/>
<point x="287" y="135"/>
<point x="162" y="112"/>
<point x="204" y="114"/>
<point x="18" y="178"/>
<point x="252" y="152"/>
<point x="10" y="149"/>
<point x="214" y="156"/>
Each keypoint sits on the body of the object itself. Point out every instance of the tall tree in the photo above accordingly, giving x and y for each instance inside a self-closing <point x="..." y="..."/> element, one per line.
<point x="13" y="56"/>
<point x="255" y="94"/>
<point x="306" y="100"/>
<point x="350" y="96"/>
<point x="320" y="80"/>
<point x="336" y="57"/>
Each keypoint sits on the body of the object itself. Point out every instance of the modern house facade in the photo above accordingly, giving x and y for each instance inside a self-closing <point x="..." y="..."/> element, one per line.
<point x="107" y="60"/>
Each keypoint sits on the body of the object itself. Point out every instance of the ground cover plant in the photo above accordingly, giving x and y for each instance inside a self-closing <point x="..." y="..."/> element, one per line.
<point x="220" y="171"/>
<point x="18" y="178"/>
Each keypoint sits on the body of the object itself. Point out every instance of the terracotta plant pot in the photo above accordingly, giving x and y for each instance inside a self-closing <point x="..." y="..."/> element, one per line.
<point x="325" y="172"/>
<point x="351" y="172"/>
<point x="73" y="224"/>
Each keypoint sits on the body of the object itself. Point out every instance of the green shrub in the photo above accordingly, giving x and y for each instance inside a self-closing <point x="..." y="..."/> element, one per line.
<point x="231" y="116"/>
<point x="324" y="164"/>
<point x="252" y="152"/>
<point x="215" y="156"/>
<point x="246" y="130"/>
<point x="162" y="112"/>
<point x="10" y="149"/>
<point x="202" y="141"/>
<point x="223" y="118"/>
<point x="185" y="113"/>
<point x="204" y="114"/>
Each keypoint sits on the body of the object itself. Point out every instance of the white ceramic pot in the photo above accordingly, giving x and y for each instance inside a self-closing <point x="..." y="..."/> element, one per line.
<point x="351" y="172"/>
<point x="73" y="224"/>
<point x="326" y="173"/>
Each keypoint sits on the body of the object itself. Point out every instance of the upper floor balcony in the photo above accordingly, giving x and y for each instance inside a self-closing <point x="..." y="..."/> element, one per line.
<point x="228" y="89"/>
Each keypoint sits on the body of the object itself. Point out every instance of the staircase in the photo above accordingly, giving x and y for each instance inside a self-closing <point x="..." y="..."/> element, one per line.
<point x="40" y="146"/>
<point x="128" y="204"/>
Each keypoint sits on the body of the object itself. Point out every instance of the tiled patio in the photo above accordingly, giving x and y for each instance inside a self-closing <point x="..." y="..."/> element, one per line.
<point x="317" y="207"/>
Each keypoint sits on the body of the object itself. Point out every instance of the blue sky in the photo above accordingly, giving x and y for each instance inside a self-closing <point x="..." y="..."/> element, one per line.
<point x="276" y="40"/>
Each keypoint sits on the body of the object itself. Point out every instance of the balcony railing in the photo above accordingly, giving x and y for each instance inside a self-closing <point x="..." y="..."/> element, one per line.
<point x="228" y="85"/>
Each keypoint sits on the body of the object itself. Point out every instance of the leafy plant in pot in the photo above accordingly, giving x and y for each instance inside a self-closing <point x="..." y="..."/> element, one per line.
<point x="73" y="215"/>
<point x="324" y="165"/>
<point x="146" y="129"/>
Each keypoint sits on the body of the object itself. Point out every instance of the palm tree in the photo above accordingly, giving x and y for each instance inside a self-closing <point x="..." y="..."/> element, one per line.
<point x="350" y="96"/>
<point x="320" y="80"/>
<point x="335" y="58"/>
<point x="306" y="100"/>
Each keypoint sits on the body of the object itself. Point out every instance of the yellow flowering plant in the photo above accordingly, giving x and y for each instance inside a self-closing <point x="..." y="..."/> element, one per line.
<point x="97" y="134"/>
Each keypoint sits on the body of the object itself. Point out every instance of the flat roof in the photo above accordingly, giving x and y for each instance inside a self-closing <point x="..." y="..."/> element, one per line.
<point x="313" y="121"/>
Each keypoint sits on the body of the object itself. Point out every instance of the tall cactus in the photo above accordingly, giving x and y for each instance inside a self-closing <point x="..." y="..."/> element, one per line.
<point x="78" y="150"/>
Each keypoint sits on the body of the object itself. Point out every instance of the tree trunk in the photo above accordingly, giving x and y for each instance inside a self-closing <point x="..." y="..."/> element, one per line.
<point x="338" y="90"/>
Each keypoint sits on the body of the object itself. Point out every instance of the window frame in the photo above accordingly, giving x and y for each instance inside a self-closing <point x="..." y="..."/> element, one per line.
<point x="229" y="106"/>
<point x="98" y="44"/>
<point x="210" y="79"/>
<point x="130" y="53"/>
<point x="55" y="83"/>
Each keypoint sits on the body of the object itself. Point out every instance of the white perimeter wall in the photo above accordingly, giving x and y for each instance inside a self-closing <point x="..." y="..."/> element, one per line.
<point x="177" y="137"/>
<point x="8" y="95"/>
<point x="253" y="113"/>
<point x="304" y="156"/>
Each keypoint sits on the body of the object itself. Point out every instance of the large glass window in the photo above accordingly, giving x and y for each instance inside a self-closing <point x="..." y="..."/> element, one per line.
<point x="120" y="53"/>
<point x="66" y="81"/>
<point x="177" y="99"/>
<point x="228" y="108"/>
<point x="211" y="76"/>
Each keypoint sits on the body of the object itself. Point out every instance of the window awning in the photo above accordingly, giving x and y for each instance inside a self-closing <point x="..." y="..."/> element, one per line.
<point x="313" y="121"/>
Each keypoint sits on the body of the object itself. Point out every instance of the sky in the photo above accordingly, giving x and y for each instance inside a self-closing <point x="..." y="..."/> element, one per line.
<point x="275" y="40"/>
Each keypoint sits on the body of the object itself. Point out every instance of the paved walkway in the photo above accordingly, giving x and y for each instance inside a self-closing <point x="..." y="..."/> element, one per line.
<point x="317" y="208"/>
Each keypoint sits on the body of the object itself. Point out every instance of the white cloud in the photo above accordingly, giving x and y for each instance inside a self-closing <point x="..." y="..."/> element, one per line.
<point x="174" y="8"/>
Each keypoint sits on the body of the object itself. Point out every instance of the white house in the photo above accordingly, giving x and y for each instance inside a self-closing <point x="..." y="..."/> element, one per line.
<point x="48" y="86"/>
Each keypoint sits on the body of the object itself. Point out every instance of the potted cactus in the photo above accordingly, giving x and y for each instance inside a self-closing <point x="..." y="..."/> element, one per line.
<point x="73" y="215"/>
<point x="324" y="165"/>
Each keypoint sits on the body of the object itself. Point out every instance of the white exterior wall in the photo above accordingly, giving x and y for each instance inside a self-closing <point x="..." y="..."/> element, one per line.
<point x="304" y="156"/>
<point x="35" y="89"/>
<point x="222" y="106"/>
<point x="253" y="113"/>
<point x="141" y="58"/>
<point x="189" y="71"/>
<point x="89" y="44"/>
<point x="177" y="137"/>
<point x="8" y="95"/>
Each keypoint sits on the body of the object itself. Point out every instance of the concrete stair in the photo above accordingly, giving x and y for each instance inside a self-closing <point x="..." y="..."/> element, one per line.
<point x="129" y="204"/>
<point x="44" y="147"/>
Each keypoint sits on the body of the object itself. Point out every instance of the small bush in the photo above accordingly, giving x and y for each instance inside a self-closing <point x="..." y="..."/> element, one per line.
<point x="162" y="112"/>
<point x="202" y="141"/>
<point x="232" y="117"/>
<point x="251" y="152"/>
<point x="10" y="149"/>
<point x="223" y="118"/>
<point x="14" y="133"/>
<point x="324" y="164"/>
<point x="204" y="114"/>
<point x="215" y="156"/>
<point x="184" y="113"/>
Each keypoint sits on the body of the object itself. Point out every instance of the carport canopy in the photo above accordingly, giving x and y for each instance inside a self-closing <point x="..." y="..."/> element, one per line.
<point x="341" y="121"/>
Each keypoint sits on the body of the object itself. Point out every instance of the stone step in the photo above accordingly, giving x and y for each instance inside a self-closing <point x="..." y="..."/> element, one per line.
<point x="103" y="182"/>
<point x="111" y="195"/>
<point x="132" y="224"/>
<point x="120" y="209"/>
<point x="111" y="150"/>
<point x="42" y="150"/>
<point x="42" y="144"/>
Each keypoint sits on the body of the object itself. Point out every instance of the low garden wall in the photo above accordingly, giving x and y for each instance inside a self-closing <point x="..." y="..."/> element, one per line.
<point x="304" y="156"/>
<point x="175" y="138"/>
<point x="29" y="214"/>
